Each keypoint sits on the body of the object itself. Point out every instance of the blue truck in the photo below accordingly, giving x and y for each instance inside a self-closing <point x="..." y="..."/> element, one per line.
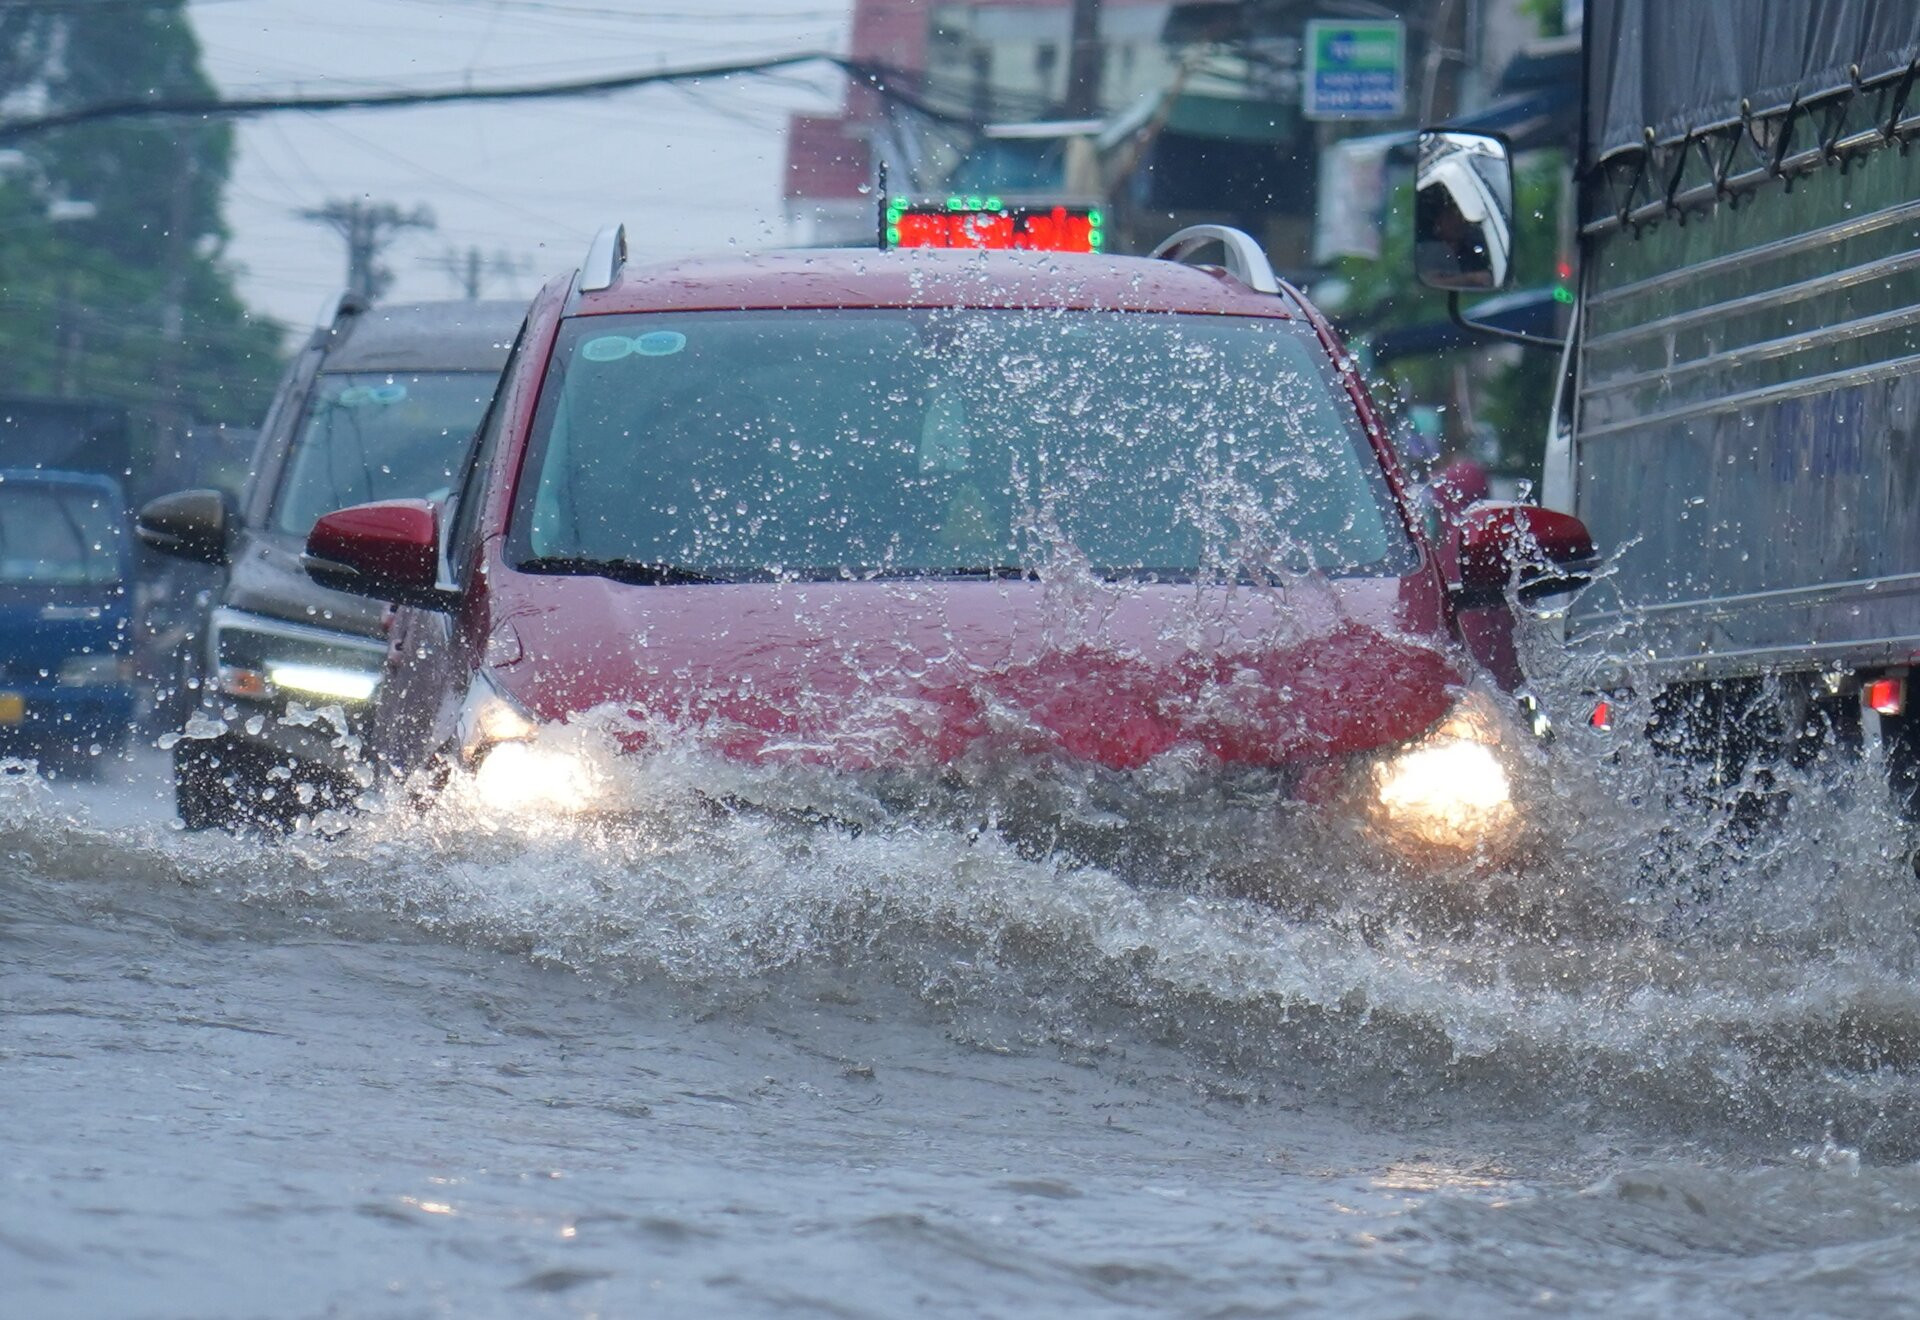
<point x="66" y="582"/>
<point x="1739" y="411"/>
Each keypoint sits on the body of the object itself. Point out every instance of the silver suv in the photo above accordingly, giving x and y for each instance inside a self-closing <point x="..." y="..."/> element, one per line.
<point x="381" y="404"/>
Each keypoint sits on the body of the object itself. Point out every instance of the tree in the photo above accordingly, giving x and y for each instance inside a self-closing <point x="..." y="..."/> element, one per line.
<point x="128" y="298"/>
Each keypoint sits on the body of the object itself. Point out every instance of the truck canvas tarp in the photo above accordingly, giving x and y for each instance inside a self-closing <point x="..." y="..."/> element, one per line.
<point x="1742" y="419"/>
<point x="1683" y="66"/>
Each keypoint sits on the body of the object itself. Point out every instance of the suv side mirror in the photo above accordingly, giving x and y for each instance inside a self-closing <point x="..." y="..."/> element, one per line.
<point x="1463" y="211"/>
<point x="1540" y="551"/>
<point x="189" y="524"/>
<point x="389" y="550"/>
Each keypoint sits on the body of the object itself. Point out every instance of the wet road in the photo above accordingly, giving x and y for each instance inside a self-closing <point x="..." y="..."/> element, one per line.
<point x="730" y="1065"/>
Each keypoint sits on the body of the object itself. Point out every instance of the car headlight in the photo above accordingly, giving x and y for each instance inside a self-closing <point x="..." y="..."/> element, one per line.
<point x="526" y="777"/>
<point x="514" y="771"/>
<point x="95" y="670"/>
<point x="1451" y="788"/>
<point x="334" y="681"/>
<point x="488" y="717"/>
<point x="262" y="659"/>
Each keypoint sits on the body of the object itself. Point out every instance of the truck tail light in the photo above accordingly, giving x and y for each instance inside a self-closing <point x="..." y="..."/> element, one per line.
<point x="1885" y="696"/>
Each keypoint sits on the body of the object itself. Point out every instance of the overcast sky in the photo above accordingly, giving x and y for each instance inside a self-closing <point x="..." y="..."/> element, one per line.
<point x="690" y="168"/>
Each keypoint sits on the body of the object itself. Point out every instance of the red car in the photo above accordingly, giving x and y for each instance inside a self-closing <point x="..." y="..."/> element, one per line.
<point x="876" y="510"/>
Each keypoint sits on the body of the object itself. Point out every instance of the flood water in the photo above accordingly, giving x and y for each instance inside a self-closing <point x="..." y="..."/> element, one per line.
<point x="760" y="1063"/>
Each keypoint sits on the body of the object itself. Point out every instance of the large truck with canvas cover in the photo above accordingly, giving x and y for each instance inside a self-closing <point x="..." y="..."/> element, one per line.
<point x="1739" y="414"/>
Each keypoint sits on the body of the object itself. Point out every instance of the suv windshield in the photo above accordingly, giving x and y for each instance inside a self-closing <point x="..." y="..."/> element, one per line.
<point x="825" y="444"/>
<point x="380" y="436"/>
<point x="66" y="536"/>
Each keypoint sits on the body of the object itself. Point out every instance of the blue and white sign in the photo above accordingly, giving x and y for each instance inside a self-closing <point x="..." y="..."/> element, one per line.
<point x="1355" y="70"/>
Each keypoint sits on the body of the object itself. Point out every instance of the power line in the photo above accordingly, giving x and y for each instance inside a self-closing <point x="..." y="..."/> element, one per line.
<point x="470" y="270"/>
<point x="90" y="6"/>
<point x="446" y="180"/>
<point x="662" y="16"/>
<point x="877" y="76"/>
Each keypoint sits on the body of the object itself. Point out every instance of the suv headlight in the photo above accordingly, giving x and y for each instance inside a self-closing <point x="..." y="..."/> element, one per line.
<point x="1450" y="789"/>
<point x="262" y="659"/>
<point x="95" y="670"/>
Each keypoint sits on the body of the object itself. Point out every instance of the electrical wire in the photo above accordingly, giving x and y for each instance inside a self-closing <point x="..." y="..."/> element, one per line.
<point x="880" y="78"/>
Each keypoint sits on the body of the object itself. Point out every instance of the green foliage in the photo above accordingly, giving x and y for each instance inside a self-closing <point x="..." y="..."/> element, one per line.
<point x="135" y="304"/>
<point x="1548" y="15"/>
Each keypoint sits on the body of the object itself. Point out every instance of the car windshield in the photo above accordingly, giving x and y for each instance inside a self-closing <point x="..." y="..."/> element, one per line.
<point x="828" y="444"/>
<point x="380" y="436"/>
<point x="50" y="535"/>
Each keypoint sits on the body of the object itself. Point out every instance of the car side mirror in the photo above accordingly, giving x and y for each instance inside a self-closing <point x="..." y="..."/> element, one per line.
<point x="389" y="551"/>
<point x="1537" y="551"/>
<point x="1463" y="211"/>
<point x="189" y="524"/>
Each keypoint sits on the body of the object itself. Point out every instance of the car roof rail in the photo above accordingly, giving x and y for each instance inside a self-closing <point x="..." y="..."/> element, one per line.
<point x="605" y="256"/>
<point x="1244" y="259"/>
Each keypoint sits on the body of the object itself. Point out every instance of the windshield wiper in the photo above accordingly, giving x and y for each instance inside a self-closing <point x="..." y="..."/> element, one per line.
<point x="634" y="572"/>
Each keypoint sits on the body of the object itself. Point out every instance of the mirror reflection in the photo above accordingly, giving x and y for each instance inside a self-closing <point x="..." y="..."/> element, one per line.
<point x="1463" y="211"/>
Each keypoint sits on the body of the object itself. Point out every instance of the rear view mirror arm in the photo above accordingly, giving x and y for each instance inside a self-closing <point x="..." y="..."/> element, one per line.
<point x="1461" y="319"/>
<point x="1567" y="577"/>
<point x="345" y="577"/>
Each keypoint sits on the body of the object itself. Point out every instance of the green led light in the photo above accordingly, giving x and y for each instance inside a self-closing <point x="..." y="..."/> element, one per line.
<point x="1563" y="295"/>
<point x="993" y="204"/>
<point x="1096" y="240"/>
<point x="973" y="203"/>
<point x="893" y="233"/>
<point x="954" y="203"/>
<point x="1095" y="219"/>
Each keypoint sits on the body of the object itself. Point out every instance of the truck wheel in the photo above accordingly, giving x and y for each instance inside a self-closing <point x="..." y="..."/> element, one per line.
<point x="216" y="785"/>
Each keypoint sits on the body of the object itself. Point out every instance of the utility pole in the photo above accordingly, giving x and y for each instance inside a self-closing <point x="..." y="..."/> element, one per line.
<point x="368" y="228"/>
<point x="470" y="271"/>
<point x="470" y="277"/>
<point x="1083" y="61"/>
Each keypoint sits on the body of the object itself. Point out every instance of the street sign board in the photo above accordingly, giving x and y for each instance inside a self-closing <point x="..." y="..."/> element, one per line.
<point x="988" y="222"/>
<point x="1355" y="70"/>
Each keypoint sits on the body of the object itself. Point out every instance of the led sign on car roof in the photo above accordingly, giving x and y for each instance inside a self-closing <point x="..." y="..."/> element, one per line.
<point x="987" y="222"/>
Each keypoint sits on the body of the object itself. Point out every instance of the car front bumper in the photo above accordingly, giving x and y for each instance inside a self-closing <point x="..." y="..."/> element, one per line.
<point x="39" y="715"/>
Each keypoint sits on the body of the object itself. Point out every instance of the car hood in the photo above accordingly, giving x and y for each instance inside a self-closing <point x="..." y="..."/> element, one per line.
<point x="860" y="675"/>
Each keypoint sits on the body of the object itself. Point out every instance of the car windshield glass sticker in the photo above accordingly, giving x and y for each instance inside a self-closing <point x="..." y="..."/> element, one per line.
<point x="606" y="348"/>
<point x="361" y="396"/>
<point x="659" y="343"/>
<point x="611" y="348"/>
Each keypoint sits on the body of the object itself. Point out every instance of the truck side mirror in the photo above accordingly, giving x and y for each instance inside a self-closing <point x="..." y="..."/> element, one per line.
<point x="388" y="550"/>
<point x="1463" y="211"/>
<point x="1538" y="551"/>
<point x="189" y="524"/>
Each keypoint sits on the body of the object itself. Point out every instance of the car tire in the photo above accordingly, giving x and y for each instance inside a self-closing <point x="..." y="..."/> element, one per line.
<point x="216" y="784"/>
